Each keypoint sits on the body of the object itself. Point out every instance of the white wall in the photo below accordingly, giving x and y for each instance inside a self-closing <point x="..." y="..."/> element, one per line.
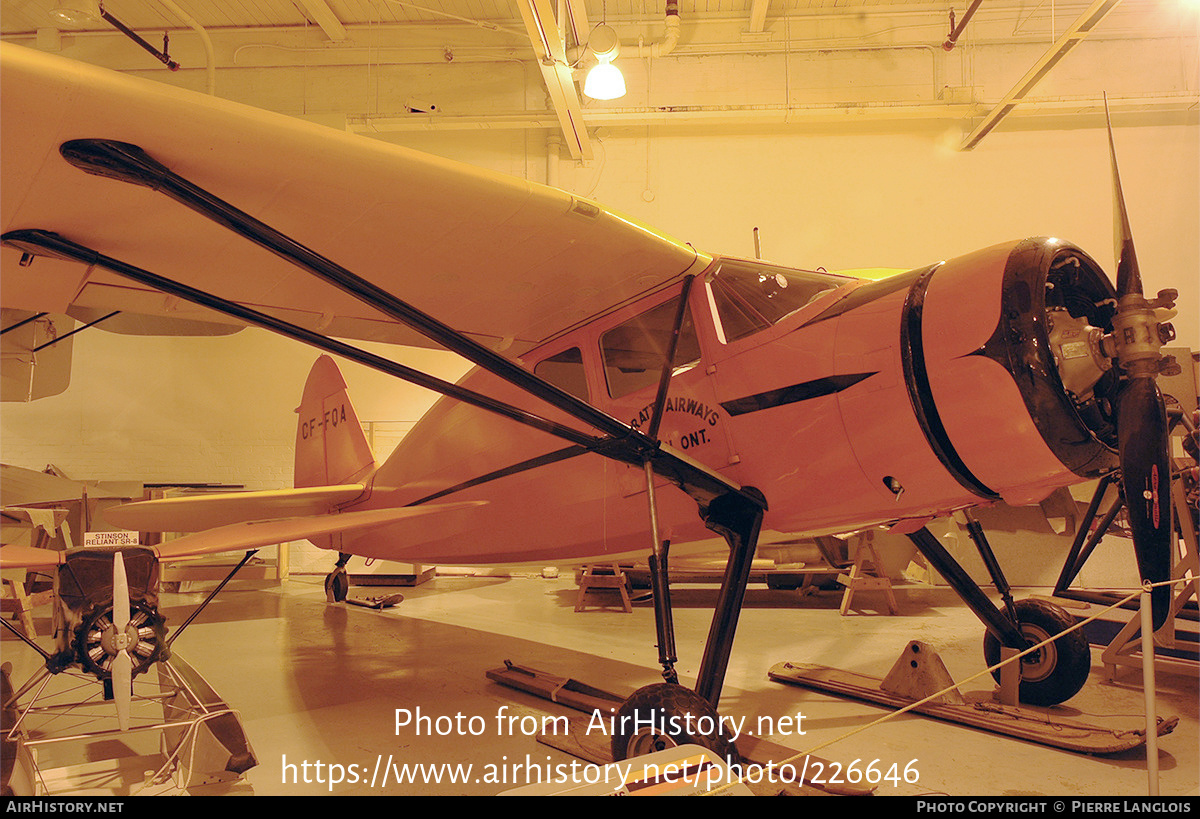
<point x="193" y="410"/>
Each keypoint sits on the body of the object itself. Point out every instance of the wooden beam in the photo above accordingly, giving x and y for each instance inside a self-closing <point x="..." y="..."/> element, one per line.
<point x="758" y="15"/>
<point x="324" y="17"/>
<point x="1073" y="36"/>
<point x="551" y="54"/>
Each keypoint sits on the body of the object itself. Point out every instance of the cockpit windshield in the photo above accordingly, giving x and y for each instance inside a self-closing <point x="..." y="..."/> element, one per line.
<point x="752" y="296"/>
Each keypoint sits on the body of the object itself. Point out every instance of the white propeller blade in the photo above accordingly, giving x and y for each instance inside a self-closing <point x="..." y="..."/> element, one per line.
<point x="122" y="664"/>
<point x="120" y="593"/>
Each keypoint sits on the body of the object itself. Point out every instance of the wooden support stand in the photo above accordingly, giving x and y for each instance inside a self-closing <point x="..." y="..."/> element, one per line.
<point x="864" y="576"/>
<point x="603" y="578"/>
<point x="48" y="529"/>
<point x="16" y="601"/>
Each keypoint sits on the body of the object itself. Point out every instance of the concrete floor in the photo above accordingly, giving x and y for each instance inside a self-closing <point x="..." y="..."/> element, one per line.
<point x="319" y="683"/>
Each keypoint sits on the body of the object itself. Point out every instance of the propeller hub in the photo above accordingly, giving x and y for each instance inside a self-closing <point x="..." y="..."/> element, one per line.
<point x="1140" y="328"/>
<point x="99" y="640"/>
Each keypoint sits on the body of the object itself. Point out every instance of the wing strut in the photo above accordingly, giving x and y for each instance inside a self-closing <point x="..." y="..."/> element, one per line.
<point x="42" y="242"/>
<point x="664" y="621"/>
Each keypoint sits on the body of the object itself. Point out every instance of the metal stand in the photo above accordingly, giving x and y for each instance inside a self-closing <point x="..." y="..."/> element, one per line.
<point x="184" y="738"/>
<point x="1126" y="648"/>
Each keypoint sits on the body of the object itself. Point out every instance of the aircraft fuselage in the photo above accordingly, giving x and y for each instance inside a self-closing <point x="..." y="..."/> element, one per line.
<point x="848" y="403"/>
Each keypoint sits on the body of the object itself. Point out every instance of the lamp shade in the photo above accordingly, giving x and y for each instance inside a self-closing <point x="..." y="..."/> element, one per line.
<point x="604" y="82"/>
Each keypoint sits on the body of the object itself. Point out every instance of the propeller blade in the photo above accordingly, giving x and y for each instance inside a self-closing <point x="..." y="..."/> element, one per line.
<point x="122" y="686"/>
<point x="122" y="664"/>
<point x="1141" y="415"/>
<point x="1146" y="479"/>
<point x="1129" y="277"/>
<point x="120" y="593"/>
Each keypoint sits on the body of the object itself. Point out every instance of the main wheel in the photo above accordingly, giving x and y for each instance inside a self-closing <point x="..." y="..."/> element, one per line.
<point x="1055" y="672"/>
<point x="665" y="715"/>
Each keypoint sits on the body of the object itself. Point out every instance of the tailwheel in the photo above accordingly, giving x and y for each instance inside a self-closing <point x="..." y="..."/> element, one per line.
<point x="337" y="585"/>
<point x="1057" y="671"/>
<point x="666" y="715"/>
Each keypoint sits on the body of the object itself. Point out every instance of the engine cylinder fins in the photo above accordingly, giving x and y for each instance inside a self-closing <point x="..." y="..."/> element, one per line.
<point x="97" y="642"/>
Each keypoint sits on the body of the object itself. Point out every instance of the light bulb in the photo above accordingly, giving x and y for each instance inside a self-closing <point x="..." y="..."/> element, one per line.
<point x="604" y="82"/>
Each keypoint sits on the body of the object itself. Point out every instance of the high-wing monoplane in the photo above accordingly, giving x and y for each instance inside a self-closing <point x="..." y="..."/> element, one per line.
<point x="631" y="394"/>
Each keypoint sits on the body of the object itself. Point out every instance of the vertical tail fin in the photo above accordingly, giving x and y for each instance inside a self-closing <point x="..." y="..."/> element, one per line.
<point x="331" y="447"/>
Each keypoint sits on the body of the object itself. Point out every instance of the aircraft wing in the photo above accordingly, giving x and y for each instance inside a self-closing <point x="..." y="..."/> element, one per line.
<point x="258" y="533"/>
<point x="506" y="261"/>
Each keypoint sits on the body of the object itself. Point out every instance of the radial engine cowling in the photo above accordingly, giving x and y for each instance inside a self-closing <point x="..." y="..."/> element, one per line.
<point x="1022" y="325"/>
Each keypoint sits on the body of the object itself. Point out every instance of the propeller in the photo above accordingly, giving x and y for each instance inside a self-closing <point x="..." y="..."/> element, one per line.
<point x="1139" y="331"/>
<point x="122" y="662"/>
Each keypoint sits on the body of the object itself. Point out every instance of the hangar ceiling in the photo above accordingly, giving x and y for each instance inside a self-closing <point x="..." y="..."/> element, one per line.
<point x="387" y="67"/>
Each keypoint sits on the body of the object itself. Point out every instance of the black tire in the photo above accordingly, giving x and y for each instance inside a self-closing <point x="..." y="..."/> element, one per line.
<point x="665" y="715"/>
<point x="1057" y="671"/>
<point x="337" y="586"/>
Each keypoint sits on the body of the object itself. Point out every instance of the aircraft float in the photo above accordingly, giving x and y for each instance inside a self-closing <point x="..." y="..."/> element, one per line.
<point x="631" y="394"/>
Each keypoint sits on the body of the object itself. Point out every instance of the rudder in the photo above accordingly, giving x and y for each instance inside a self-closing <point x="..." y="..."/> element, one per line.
<point x="331" y="447"/>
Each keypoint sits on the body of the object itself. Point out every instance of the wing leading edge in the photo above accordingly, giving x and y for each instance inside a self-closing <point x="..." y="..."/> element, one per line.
<point x="511" y="261"/>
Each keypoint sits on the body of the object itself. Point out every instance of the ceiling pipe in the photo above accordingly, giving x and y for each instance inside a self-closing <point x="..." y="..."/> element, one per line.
<point x="670" y="39"/>
<point x="957" y="30"/>
<point x="582" y="56"/>
<point x="209" y="53"/>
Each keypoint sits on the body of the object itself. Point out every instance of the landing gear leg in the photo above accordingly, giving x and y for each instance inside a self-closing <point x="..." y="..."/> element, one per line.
<point x="667" y="714"/>
<point x="664" y="621"/>
<point x="337" y="582"/>
<point x="1049" y="676"/>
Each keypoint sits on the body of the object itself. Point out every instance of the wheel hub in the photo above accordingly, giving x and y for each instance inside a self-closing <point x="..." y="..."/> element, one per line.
<point x="1037" y="665"/>
<point x="649" y="740"/>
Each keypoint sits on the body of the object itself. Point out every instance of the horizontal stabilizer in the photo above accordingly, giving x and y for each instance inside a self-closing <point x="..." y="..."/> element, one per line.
<point x="196" y="513"/>
<point x="254" y="534"/>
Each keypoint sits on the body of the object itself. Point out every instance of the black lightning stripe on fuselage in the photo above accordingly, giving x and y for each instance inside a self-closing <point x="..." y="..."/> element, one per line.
<point x="796" y="392"/>
<point x="523" y="466"/>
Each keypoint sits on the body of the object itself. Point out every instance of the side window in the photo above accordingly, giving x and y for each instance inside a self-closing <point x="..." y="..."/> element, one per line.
<point x="634" y="351"/>
<point x="565" y="371"/>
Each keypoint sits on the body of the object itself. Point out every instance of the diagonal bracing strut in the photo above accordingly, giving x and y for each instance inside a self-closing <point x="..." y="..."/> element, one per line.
<point x="733" y="511"/>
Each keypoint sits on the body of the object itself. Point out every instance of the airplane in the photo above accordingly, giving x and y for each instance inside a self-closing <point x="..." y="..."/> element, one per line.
<point x="108" y="629"/>
<point x="613" y="364"/>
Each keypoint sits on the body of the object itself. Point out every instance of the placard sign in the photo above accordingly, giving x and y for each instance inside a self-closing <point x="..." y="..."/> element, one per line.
<point x="120" y="538"/>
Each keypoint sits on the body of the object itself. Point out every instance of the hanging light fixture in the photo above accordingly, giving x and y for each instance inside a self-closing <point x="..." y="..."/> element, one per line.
<point x="76" y="13"/>
<point x="604" y="81"/>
